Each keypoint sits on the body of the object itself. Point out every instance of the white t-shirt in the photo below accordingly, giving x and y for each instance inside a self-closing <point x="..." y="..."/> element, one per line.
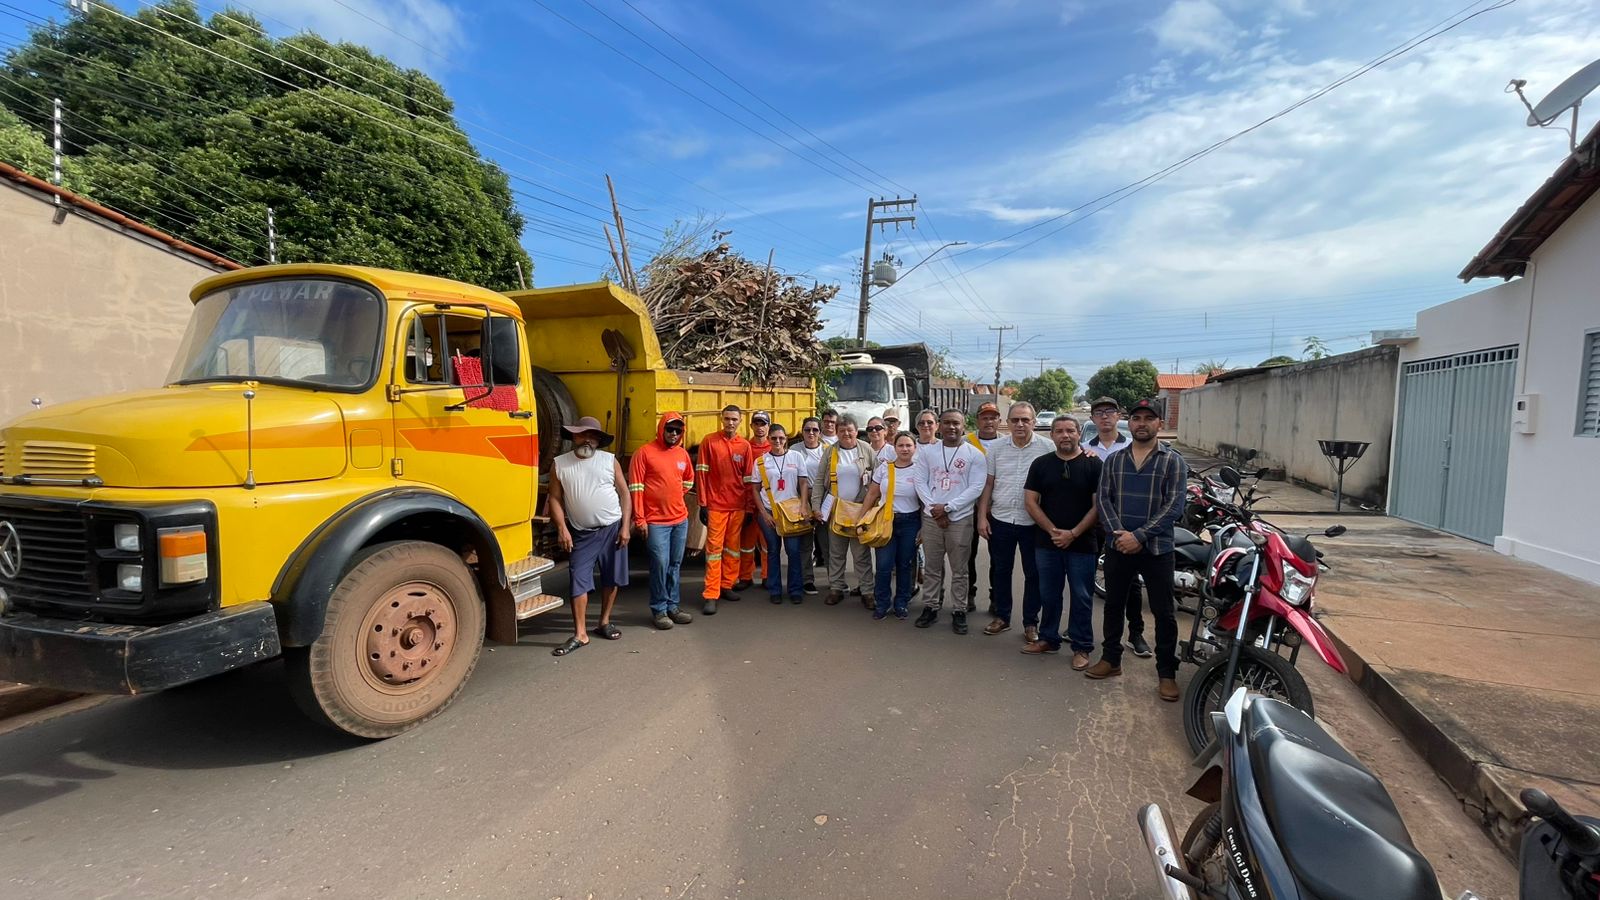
<point x="830" y="439"/>
<point x="886" y="452"/>
<point x="852" y="481"/>
<point x="783" y="477"/>
<point x="813" y="458"/>
<point x="952" y="476"/>
<point x="905" y="486"/>
<point x="990" y="443"/>
<point x="589" y="490"/>
<point x="1094" y="446"/>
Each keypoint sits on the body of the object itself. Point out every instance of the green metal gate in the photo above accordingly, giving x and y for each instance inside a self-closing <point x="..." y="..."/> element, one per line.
<point x="1453" y="436"/>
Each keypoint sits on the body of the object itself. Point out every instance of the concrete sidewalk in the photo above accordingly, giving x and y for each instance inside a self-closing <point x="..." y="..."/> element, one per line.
<point x="1487" y="664"/>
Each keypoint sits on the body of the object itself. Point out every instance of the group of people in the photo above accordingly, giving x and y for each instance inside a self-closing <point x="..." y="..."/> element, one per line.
<point x="905" y="510"/>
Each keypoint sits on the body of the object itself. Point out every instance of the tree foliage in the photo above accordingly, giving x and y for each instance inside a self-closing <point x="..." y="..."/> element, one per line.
<point x="1126" y="381"/>
<point x="1280" y="360"/>
<point x="361" y="161"/>
<point x="1316" y="348"/>
<point x="1053" y="390"/>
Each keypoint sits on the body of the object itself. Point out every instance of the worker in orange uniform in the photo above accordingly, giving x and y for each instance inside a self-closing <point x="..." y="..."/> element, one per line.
<point x="659" y="477"/>
<point x="751" y="542"/>
<point x="722" y="485"/>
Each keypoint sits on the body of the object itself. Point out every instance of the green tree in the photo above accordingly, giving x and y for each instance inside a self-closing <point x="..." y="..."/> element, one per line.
<point x="1279" y="360"/>
<point x="1209" y="366"/>
<point x="844" y="344"/>
<point x="1316" y="348"/>
<point x="1126" y="381"/>
<point x="361" y="161"/>
<point x="1053" y="390"/>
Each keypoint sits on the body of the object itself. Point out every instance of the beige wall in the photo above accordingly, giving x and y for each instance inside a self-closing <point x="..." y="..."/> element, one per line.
<point x="1282" y="413"/>
<point x="86" y="308"/>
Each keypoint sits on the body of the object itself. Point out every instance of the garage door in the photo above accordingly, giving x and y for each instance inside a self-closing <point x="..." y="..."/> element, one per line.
<point x="1452" y="439"/>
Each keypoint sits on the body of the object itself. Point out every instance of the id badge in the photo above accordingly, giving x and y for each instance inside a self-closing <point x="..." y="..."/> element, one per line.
<point x="780" y="482"/>
<point x="944" y="482"/>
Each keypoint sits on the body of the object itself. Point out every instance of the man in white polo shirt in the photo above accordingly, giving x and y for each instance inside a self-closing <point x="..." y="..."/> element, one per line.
<point x="950" y="477"/>
<point x="1003" y="520"/>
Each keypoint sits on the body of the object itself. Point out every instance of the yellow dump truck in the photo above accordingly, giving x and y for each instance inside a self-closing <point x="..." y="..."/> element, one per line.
<point x="342" y="469"/>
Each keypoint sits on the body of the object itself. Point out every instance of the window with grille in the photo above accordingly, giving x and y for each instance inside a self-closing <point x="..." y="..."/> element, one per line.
<point x="1589" y="387"/>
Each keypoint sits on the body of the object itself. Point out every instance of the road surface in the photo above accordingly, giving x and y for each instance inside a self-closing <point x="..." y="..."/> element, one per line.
<point x="769" y="751"/>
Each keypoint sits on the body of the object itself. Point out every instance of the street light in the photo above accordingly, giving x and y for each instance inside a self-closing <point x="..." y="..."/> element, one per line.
<point x="861" y="336"/>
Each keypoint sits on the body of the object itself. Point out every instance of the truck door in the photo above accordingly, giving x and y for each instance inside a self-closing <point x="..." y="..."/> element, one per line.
<point x="465" y="440"/>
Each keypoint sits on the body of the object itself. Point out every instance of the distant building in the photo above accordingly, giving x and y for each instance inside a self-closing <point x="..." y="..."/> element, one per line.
<point x="1497" y="426"/>
<point x="1168" y="387"/>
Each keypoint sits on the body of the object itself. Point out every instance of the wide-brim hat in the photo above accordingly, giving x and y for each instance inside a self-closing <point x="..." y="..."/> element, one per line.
<point x="590" y="423"/>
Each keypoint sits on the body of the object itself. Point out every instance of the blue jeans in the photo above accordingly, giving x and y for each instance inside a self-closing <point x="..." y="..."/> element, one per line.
<point x="1005" y="539"/>
<point x="795" y="549"/>
<point x="898" y="558"/>
<point x="1073" y="572"/>
<point x="666" y="558"/>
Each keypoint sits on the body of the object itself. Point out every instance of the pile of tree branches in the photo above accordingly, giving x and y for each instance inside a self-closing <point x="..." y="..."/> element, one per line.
<point x="716" y="311"/>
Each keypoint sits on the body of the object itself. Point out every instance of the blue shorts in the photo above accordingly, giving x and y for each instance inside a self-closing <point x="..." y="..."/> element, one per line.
<point x="598" y="549"/>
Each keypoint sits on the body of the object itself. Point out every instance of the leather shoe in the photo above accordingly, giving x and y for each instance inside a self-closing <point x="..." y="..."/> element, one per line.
<point x="709" y="608"/>
<point x="833" y="598"/>
<point x="729" y="597"/>
<point x="1039" y="648"/>
<point x="1168" y="689"/>
<point x="1080" y="661"/>
<point x="679" y="616"/>
<point x="742" y="585"/>
<point x="1102" y="669"/>
<point x="928" y="617"/>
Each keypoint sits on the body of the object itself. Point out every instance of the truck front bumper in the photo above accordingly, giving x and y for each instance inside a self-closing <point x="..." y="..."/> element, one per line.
<point x="94" y="658"/>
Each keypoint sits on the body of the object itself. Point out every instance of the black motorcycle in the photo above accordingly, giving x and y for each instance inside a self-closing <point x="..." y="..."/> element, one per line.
<point x="1295" y="815"/>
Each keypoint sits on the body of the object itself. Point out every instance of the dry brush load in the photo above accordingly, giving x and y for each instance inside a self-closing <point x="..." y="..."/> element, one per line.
<point x="716" y="311"/>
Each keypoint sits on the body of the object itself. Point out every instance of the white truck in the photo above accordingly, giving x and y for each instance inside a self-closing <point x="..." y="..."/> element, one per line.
<point x="897" y="378"/>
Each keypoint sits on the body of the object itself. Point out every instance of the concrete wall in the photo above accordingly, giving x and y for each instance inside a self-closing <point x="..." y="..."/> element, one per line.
<point x="1281" y="413"/>
<point x="85" y="307"/>
<point x="1553" y="480"/>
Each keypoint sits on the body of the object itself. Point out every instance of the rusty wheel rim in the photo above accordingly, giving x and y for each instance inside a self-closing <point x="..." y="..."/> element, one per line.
<point x="409" y="633"/>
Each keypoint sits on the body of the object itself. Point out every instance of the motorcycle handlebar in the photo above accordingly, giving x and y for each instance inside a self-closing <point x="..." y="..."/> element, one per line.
<point x="1581" y="839"/>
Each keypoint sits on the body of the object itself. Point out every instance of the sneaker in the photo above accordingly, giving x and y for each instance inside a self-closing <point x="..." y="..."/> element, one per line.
<point x="878" y="616"/>
<point x="709" y="609"/>
<point x="811" y="588"/>
<point x="902" y="613"/>
<point x="663" y="621"/>
<point x="679" y="616"/>
<point x="958" y="623"/>
<point x="928" y="617"/>
<point x="776" y="598"/>
<point x="743" y="584"/>
<point x="1102" y="669"/>
<point x="1137" y="644"/>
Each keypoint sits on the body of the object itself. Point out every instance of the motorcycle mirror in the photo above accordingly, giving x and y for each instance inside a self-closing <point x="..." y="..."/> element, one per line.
<point x="1230" y="477"/>
<point x="1335" y="530"/>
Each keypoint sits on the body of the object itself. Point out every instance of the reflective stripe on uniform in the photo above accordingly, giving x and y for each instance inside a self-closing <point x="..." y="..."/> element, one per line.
<point x="713" y="557"/>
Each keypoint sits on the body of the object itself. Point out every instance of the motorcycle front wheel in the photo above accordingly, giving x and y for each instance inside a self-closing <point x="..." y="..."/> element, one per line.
<point x="1261" y="671"/>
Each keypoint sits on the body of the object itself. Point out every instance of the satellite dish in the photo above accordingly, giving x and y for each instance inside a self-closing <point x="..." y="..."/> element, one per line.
<point x="1568" y="94"/>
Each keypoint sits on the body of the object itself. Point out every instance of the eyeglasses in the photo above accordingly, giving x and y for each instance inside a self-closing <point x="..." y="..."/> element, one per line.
<point x="811" y="428"/>
<point x="874" y="427"/>
<point x="1104" y="411"/>
<point x="672" y="429"/>
<point x="1021" y="421"/>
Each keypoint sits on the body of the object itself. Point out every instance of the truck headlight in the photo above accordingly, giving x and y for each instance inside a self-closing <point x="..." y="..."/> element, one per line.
<point x="183" y="554"/>
<point x="126" y="537"/>
<point x="130" y="577"/>
<point x="1296" y="587"/>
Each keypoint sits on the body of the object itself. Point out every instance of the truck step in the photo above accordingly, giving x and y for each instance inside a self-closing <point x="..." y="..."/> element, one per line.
<point x="528" y="567"/>
<point x="530" y="606"/>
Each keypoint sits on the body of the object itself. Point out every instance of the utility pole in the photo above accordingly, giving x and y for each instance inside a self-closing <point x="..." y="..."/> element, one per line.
<point x="999" y="344"/>
<point x="1041" y="365"/>
<point x="866" y="253"/>
<point x="272" y="238"/>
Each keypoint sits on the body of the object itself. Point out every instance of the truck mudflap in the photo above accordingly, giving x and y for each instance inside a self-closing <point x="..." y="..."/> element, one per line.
<point x="96" y="658"/>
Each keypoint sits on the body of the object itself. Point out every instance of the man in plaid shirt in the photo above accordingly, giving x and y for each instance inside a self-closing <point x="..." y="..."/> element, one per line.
<point x="1140" y="501"/>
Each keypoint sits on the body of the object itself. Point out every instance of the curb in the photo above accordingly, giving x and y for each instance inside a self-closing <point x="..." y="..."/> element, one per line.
<point x="20" y="699"/>
<point x="1488" y="799"/>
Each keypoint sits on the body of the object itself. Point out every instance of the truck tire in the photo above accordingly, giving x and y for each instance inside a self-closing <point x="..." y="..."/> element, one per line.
<point x="554" y="408"/>
<point x="400" y="639"/>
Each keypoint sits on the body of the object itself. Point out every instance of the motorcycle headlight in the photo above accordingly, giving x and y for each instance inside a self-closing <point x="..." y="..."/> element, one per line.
<point x="1296" y="587"/>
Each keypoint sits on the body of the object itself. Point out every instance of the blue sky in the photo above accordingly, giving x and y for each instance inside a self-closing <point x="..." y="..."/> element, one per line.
<point x="1347" y="215"/>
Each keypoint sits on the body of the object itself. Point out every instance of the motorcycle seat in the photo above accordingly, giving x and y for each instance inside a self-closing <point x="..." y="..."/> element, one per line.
<point x="1182" y="537"/>
<point x="1336" y="825"/>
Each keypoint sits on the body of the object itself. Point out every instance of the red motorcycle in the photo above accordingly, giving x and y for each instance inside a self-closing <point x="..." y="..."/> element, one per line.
<point x="1255" y="604"/>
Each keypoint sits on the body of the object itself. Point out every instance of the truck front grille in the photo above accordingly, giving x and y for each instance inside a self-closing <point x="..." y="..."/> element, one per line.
<point x="55" y="557"/>
<point x="57" y="459"/>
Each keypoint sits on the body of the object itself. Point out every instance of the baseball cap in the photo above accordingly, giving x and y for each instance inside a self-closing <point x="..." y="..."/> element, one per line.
<point x="1150" y="404"/>
<point x="761" y="415"/>
<point x="988" y="406"/>
<point x="1105" y="401"/>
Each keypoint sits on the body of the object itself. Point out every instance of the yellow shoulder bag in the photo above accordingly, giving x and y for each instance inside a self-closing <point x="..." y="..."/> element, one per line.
<point x="878" y="528"/>
<point x="788" y="516"/>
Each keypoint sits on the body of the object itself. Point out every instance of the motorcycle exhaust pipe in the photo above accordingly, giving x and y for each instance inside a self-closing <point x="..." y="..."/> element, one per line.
<point x="1163" y="847"/>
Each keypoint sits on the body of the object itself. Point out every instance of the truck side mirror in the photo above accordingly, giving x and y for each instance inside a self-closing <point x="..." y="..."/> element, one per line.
<point x="502" y="356"/>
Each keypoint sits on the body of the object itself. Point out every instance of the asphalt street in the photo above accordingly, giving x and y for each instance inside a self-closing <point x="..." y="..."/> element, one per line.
<point x="766" y="752"/>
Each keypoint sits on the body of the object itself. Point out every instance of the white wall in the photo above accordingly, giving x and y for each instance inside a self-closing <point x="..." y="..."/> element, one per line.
<point x="1495" y="317"/>
<point x="1553" y="483"/>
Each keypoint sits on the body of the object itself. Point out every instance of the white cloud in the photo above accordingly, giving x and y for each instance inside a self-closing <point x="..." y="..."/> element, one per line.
<point x="1016" y="215"/>
<point x="1195" y="26"/>
<point x="674" y="144"/>
<point x="418" y="34"/>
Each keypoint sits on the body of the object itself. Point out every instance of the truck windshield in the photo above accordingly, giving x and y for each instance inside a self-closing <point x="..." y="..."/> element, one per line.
<point x="862" y="384"/>
<point x="310" y="332"/>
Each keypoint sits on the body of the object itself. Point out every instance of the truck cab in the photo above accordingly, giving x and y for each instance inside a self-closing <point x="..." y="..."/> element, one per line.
<point x="867" y="388"/>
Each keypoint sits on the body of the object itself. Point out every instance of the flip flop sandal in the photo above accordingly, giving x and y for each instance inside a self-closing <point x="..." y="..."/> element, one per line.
<point x="572" y="645"/>
<point x="609" y="631"/>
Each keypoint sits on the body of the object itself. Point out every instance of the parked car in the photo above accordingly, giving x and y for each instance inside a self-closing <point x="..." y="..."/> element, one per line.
<point x="1041" y="422"/>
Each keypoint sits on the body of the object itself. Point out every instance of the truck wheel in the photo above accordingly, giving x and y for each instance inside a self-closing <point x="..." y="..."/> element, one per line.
<point x="400" y="638"/>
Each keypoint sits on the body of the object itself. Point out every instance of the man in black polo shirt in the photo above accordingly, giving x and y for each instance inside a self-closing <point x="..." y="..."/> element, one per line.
<point x="1140" y="501"/>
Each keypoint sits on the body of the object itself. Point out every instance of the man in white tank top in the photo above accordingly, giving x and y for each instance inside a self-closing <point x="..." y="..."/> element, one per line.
<point x="591" y="509"/>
